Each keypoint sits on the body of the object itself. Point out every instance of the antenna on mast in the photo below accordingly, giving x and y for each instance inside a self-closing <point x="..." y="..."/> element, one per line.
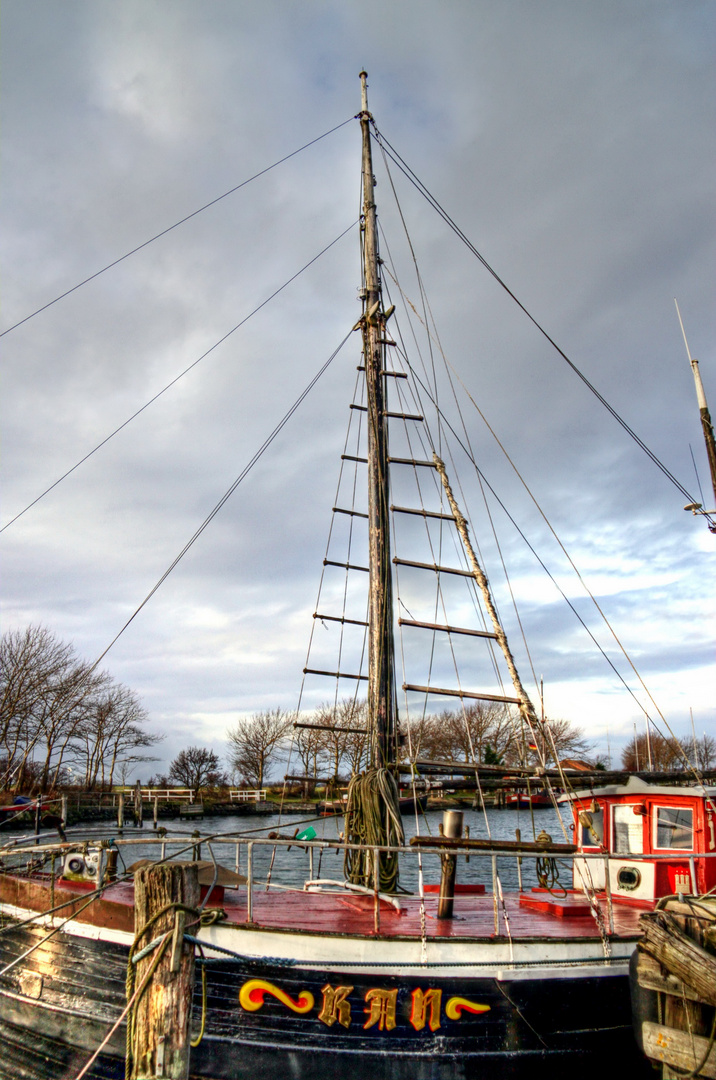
<point x="706" y="423"/>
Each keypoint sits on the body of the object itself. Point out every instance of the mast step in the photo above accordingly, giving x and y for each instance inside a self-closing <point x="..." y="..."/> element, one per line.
<point x="339" y="618"/>
<point x="335" y="674"/>
<point x="334" y="727"/>
<point x="346" y="565"/>
<point x="393" y="415"/>
<point x="433" y="566"/>
<point x="409" y="461"/>
<point x="448" y="629"/>
<point x="442" y="692"/>
<point x="351" y="513"/>
<point x="390" y="374"/>
<point x="422" y="513"/>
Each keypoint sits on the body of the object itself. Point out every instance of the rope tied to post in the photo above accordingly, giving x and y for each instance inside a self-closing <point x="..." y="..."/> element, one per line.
<point x="176" y="936"/>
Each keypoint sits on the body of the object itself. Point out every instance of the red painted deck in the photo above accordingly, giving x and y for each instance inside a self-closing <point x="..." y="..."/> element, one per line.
<point x="473" y="916"/>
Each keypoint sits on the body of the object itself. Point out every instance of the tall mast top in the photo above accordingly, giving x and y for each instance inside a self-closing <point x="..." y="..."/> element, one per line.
<point x="364" y="91"/>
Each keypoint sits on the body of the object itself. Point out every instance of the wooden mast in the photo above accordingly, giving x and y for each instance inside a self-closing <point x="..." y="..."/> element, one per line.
<point x="704" y="413"/>
<point x="381" y="689"/>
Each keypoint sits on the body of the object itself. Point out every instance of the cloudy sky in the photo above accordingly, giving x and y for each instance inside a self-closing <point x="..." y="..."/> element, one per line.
<point x="573" y="143"/>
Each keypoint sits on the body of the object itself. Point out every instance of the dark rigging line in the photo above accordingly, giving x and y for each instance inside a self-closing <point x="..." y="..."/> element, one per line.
<point x="174" y="226"/>
<point x="226" y="496"/>
<point x="175" y="380"/>
<point x="417" y="183"/>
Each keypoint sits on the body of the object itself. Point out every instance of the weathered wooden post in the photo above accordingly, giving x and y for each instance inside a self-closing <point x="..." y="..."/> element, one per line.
<point x="138" y="806"/>
<point x="120" y="813"/>
<point x="162" y="1017"/>
<point x="156" y="811"/>
<point x="451" y="827"/>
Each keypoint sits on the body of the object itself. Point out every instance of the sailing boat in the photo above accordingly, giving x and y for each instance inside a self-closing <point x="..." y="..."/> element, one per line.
<point x="348" y="975"/>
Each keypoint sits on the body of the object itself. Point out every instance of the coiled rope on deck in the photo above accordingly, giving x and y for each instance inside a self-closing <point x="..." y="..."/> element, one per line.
<point x="373" y="820"/>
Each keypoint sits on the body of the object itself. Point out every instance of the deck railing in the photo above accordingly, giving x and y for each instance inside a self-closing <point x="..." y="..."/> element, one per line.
<point x="246" y="851"/>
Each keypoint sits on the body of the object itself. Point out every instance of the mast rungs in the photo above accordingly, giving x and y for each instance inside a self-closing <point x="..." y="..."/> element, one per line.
<point x="389" y="374"/>
<point x="335" y="674"/>
<point x="352" y="457"/>
<point x="346" y="565"/>
<point x="335" y="727"/>
<point x="340" y="619"/>
<point x="422" y="513"/>
<point x="392" y="415"/>
<point x="442" y="692"/>
<point x="448" y="629"/>
<point x="433" y="566"/>
<point x="350" y="513"/>
<point x="408" y="461"/>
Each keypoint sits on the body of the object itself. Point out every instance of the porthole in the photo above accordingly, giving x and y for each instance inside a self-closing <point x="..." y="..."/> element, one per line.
<point x="628" y="878"/>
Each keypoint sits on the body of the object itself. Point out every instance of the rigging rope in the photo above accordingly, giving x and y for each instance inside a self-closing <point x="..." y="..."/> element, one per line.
<point x="225" y="497"/>
<point x="176" y="379"/>
<point x="417" y="183"/>
<point x="174" y="226"/>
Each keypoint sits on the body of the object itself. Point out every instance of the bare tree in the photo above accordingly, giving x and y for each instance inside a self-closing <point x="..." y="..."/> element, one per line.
<point x="34" y="665"/>
<point x="111" y="731"/>
<point x="56" y="709"/>
<point x="701" y="752"/>
<point x="464" y="734"/>
<point x="668" y="754"/>
<point x="307" y="746"/>
<point x="255" y="742"/>
<point x="560" y="739"/>
<point x="665" y="754"/>
<point x="197" y="767"/>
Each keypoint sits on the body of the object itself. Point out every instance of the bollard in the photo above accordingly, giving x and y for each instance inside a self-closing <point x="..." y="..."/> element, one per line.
<point x="452" y="827"/>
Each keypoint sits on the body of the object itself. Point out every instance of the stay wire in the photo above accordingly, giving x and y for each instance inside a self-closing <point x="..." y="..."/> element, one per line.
<point x="176" y="379"/>
<point x="170" y="228"/>
<point x="227" y="495"/>
<point x="417" y="183"/>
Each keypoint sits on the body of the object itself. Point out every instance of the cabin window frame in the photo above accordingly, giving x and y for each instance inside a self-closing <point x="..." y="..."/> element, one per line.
<point x="656" y="807"/>
<point x="614" y="808"/>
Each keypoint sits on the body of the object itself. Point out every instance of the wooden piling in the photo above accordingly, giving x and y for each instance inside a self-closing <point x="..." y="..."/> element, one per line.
<point x="120" y="813"/>
<point x="675" y="960"/>
<point x="162" y="1014"/>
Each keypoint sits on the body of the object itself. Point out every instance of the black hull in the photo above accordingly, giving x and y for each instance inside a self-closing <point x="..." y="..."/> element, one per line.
<point x="556" y="1028"/>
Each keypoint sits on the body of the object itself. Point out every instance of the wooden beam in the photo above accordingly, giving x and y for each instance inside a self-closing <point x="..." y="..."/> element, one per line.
<point x="679" y="1048"/>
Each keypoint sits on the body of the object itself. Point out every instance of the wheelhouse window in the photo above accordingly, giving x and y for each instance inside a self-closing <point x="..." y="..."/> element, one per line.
<point x="675" y="828"/>
<point x="628" y="830"/>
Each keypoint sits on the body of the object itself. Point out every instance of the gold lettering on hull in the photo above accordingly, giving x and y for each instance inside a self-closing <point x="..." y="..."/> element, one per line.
<point x="424" y="1000"/>
<point x="381" y="1005"/>
<point x="381" y="1009"/>
<point x="335" y="1006"/>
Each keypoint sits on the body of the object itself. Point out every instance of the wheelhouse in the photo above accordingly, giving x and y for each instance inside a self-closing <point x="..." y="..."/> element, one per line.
<point x="655" y="841"/>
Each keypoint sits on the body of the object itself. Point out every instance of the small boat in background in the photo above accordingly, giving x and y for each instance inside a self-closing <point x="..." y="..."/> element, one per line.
<point x="522" y="800"/>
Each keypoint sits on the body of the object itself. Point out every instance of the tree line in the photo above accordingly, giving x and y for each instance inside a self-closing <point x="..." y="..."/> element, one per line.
<point x="61" y="720"/>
